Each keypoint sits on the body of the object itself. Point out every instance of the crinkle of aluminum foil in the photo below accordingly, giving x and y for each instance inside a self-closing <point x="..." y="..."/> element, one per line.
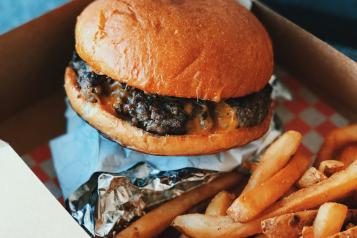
<point x="108" y="202"/>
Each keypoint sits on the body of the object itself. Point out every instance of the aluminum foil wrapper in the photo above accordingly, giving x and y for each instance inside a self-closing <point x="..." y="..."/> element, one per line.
<point x="108" y="202"/>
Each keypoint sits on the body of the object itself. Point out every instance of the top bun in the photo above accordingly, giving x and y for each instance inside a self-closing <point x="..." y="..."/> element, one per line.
<point x="206" y="49"/>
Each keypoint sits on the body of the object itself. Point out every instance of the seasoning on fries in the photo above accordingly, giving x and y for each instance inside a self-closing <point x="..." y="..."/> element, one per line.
<point x="288" y="225"/>
<point x="310" y="177"/>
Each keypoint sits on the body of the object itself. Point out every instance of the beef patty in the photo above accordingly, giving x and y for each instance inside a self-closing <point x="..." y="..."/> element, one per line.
<point x="164" y="115"/>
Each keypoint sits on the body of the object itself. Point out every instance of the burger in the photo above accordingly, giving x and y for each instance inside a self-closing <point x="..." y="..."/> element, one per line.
<point x="172" y="77"/>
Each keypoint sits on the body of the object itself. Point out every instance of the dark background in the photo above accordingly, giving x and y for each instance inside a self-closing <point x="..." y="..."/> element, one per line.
<point x="334" y="21"/>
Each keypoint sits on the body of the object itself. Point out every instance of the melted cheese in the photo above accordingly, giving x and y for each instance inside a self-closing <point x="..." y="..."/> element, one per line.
<point x="199" y="125"/>
<point x="188" y="108"/>
<point x="107" y="104"/>
<point x="226" y="116"/>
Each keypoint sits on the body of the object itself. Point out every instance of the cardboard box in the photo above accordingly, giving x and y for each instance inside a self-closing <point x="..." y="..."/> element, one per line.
<point x="27" y="208"/>
<point x="34" y="56"/>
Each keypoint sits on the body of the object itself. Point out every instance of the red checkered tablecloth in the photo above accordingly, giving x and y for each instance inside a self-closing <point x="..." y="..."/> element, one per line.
<point x="305" y="113"/>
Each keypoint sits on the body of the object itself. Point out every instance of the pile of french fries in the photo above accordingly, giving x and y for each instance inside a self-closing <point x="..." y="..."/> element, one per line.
<point x="285" y="197"/>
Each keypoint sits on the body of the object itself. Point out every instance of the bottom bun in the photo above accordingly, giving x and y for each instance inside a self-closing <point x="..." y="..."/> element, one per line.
<point x="135" y="138"/>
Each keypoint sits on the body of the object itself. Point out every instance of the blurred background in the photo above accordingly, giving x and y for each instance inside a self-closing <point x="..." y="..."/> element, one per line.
<point x="334" y="21"/>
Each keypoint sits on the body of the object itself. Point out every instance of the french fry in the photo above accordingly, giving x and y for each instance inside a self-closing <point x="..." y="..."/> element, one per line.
<point x="307" y="232"/>
<point x="249" y="204"/>
<point x="329" y="167"/>
<point x="183" y="236"/>
<point x="329" y="219"/>
<point x="291" y="225"/>
<point x="310" y="177"/>
<point x="288" y="225"/>
<point x="154" y="222"/>
<point x="291" y="190"/>
<point x="260" y="236"/>
<point x="274" y="158"/>
<point x="348" y="154"/>
<point x="335" y="140"/>
<point x="334" y="187"/>
<point x="330" y="189"/>
<point x="199" y="225"/>
<point x="219" y="204"/>
<point x="350" y="233"/>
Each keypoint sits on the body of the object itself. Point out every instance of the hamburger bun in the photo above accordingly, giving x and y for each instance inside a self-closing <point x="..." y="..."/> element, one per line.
<point x="205" y="49"/>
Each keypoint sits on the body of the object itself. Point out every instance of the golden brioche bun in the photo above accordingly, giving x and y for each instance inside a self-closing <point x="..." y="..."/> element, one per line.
<point x="206" y="49"/>
<point x="135" y="138"/>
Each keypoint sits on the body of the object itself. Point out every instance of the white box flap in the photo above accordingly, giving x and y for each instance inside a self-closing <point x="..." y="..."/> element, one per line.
<point x="27" y="208"/>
